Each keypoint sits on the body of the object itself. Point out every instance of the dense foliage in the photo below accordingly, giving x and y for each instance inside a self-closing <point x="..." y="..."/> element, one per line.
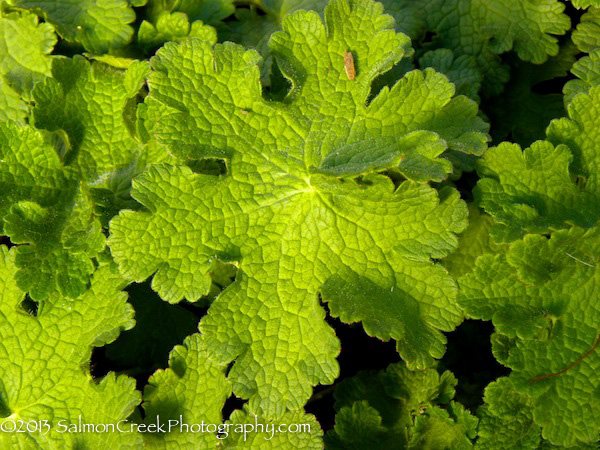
<point x="220" y="212"/>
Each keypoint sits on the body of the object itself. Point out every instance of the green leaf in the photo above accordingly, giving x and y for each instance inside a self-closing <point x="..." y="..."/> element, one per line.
<point x="579" y="4"/>
<point x="400" y="408"/>
<point x="521" y="113"/>
<point x="42" y="205"/>
<point x="43" y="375"/>
<point x="506" y="419"/>
<point x="209" y="11"/>
<point x="192" y="390"/>
<point x="25" y="49"/>
<point x="587" y="34"/>
<point x="473" y="242"/>
<point x="172" y="27"/>
<point x="449" y="429"/>
<point x="12" y="106"/>
<point x="118" y="62"/>
<point x="406" y="13"/>
<point x="542" y="294"/>
<point x="532" y="191"/>
<point x="462" y="71"/>
<point x="528" y="28"/>
<point x="99" y="25"/>
<point x="25" y="46"/>
<point x="93" y="104"/>
<point x="580" y="132"/>
<point x="483" y="29"/>
<point x="253" y="29"/>
<point x="290" y="228"/>
<point x="587" y="69"/>
<point x="359" y="426"/>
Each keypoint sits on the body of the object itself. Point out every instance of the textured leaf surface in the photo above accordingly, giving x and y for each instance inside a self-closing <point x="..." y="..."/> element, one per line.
<point x="532" y="190"/>
<point x="25" y="47"/>
<point x="209" y="11"/>
<point x="587" y="69"/>
<point x="24" y="60"/>
<point x="99" y="25"/>
<point x="279" y="213"/>
<point x="172" y="27"/>
<point x="192" y="390"/>
<point x="461" y="71"/>
<point x="42" y="205"/>
<point x="12" y="106"/>
<point x="581" y="133"/>
<point x="543" y="294"/>
<point x="506" y="419"/>
<point x="587" y="34"/>
<point x="473" y="242"/>
<point x="483" y="29"/>
<point x="253" y="29"/>
<point x="43" y="375"/>
<point x="89" y="101"/>
<point x="451" y="428"/>
<point x="399" y="408"/>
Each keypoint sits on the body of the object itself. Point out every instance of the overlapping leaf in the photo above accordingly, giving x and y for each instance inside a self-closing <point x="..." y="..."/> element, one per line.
<point x="42" y="205"/>
<point x="532" y="190"/>
<point x="587" y="34"/>
<point x="587" y="69"/>
<point x="400" y="408"/>
<point x="24" y="60"/>
<point x="580" y="132"/>
<point x="550" y="185"/>
<point x="172" y="27"/>
<point x="191" y="391"/>
<point x="94" y="105"/>
<point x="209" y="11"/>
<point x="506" y="419"/>
<point x="462" y="71"/>
<point x="483" y="29"/>
<point x="99" y="25"/>
<point x="475" y="241"/>
<point x="253" y="27"/>
<point x="522" y="113"/>
<point x="43" y="376"/>
<point x="24" y="50"/>
<point x="295" y="228"/>
<point x="542" y="296"/>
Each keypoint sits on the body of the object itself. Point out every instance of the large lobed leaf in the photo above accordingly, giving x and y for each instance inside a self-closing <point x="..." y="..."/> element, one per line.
<point x="282" y="212"/>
